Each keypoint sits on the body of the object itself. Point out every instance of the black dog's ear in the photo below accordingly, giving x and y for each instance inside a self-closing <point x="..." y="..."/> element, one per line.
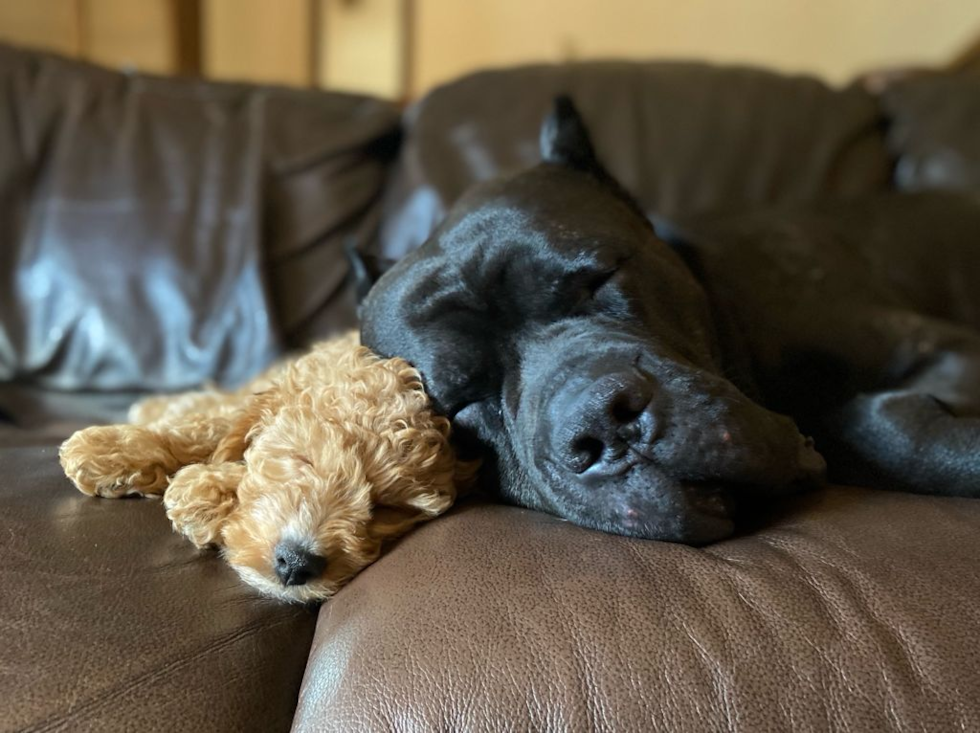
<point x="565" y="139"/>
<point x="364" y="269"/>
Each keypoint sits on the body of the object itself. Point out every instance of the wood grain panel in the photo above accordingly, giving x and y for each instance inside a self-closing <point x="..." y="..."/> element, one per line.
<point x="138" y="35"/>
<point x="259" y="40"/>
<point x="361" y="44"/>
<point x="48" y="24"/>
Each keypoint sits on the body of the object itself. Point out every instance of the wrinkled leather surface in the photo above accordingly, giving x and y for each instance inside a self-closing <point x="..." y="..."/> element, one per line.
<point x="33" y="408"/>
<point x="683" y="137"/>
<point x="156" y="233"/>
<point x="854" y="610"/>
<point x="933" y="122"/>
<point x="328" y="157"/>
<point x="111" y="622"/>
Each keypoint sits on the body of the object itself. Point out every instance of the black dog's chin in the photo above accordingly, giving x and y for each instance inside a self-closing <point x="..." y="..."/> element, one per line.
<point x="694" y="528"/>
<point x="646" y="505"/>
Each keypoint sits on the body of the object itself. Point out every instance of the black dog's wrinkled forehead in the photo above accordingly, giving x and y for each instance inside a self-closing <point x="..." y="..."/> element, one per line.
<point x="568" y="203"/>
<point x="547" y="209"/>
<point x="565" y="217"/>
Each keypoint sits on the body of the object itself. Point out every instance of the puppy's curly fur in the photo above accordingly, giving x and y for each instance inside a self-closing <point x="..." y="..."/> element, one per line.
<point x="335" y="453"/>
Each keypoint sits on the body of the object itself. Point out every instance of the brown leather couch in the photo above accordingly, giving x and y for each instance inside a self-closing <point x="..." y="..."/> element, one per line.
<point x="156" y="233"/>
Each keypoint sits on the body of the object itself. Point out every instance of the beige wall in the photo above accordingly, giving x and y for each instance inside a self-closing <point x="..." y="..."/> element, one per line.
<point x="138" y="35"/>
<point x="258" y="40"/>
<point x="361" y="46"/>
<point x="832" y="38"/>
<point x="48" y="24"/>
<point x="120" y="33"/>
<point x="357" y="44"/>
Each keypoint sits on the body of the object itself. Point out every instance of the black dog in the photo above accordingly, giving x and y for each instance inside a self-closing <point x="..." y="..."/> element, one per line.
<point x="635" y="386"/>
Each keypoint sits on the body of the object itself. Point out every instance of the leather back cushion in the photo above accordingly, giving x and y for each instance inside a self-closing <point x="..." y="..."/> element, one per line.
<point x="933" y="131"/>
<point x="157" y="233"/>
<point x="684" y="138"/>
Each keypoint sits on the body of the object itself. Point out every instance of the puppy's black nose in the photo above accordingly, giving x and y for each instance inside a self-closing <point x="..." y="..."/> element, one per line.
<point x="295" y="565"/>
<point x="595" y="421"/>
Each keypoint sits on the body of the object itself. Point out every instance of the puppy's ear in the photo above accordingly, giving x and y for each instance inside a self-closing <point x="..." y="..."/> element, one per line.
<point x="365" y="269"/>
<point x="565" y="139"/>
<point x="200" y="499"/>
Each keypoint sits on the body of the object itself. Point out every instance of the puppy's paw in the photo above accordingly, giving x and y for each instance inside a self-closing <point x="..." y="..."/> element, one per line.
<point x="116" y="460"/>
<point x="200" y="499"/>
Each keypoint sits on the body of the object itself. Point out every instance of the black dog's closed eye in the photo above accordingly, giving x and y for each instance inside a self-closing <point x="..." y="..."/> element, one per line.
<point x="589" y="283"/>
<point x="588" y="286"/>
<point x="467" y="423"/>
<point x="461" y="399"/>
<point x="456" y="408"/>
<point x="599" y="281"/>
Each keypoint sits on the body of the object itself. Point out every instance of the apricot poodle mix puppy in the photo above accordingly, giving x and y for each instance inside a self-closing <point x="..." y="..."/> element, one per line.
<point x="300" y="478"/>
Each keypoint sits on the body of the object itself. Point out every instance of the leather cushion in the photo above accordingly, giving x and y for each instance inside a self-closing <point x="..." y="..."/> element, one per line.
<point x="327" y="159"/>
<point x="849" y="610"/>
<point x="163" y="232"/>
<point x="683" y="137"/>
<point x="933" y="122"/>
<point x="110" y="621"/>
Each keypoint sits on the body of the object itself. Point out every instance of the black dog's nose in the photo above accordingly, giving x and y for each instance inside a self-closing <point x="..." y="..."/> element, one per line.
<point x="295" y="565"/>
<point x="596" y="422"/>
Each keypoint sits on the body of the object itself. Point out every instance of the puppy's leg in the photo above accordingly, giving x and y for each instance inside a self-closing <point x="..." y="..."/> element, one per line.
<point x="924" y="435"/>
<point x="200" y="499"/>
<point x="120" y="460"/>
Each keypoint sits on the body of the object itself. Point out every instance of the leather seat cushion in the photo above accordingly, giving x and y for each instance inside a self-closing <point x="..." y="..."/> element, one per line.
<point x="849" y="610"/>
<point x="110" y="621"/>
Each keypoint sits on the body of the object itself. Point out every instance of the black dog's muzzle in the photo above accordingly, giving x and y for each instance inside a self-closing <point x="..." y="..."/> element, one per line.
<point x="597" y="420"/>
<point x="649" y="444"/>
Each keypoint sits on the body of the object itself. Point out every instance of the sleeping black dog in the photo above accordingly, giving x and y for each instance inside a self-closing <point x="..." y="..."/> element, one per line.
<point x="640" y="384"/>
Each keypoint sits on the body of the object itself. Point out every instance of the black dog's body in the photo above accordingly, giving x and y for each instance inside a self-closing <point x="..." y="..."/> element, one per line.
<point x="862" y="321"/>
<point x="633" y="386"/>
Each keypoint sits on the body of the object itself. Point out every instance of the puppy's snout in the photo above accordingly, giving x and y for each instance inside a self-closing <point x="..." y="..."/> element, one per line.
<point x="596" y="422"/>
<point x="295" y="565"/>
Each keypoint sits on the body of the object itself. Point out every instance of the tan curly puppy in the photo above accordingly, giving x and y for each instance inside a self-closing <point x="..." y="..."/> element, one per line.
<point x="300" y="479"/>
